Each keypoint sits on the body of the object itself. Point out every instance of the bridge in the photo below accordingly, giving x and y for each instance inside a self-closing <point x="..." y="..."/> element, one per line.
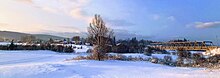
<point x="193" y="46"/>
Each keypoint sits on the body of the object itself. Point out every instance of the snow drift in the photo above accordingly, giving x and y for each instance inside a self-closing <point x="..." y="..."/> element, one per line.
<point x="49" y="64"/>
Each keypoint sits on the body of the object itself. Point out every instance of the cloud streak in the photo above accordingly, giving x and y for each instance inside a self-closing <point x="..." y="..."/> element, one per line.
<point x="171" y="18"/>
<point x="4" y="24"/>
<point x="118" y="22"/>
<point x="73" y="8"/>
<point x="39" y="28"/>
<point x="157" y="17"/>
<point x="204" y="25"/>
<point x="26" y="1"/>
<point x="125" y="34"/>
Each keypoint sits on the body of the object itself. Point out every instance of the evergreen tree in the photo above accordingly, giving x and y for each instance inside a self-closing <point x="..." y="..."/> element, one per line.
<point x="142" y="45"/>
<point x="12" y="46"/>
<point x="51" y="40"/>
<point x="134" y="45"/>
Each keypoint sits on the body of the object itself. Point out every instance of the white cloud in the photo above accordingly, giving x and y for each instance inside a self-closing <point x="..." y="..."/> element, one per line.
<point x="36" y="28"/>
<point x="156" y="17"/>
<point x="202" y="25"/>
<point x="10" y="27"/>
<point x="47" y="28"/>
<point x="78" y="13"/>
<point x="73" y="8"/>
<point x="50" y="9"/>
<point x="26" y="1"/>
<point x="171" y="18"/>
<point x="118" y="23"/>
<point x="4" y="24"/>
<point x="163" y="18"/>
<point x="125" y="34"/>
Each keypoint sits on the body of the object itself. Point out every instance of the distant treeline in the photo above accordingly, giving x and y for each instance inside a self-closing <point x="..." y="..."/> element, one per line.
<point x="130" y="45"/>
<point x="120" y="46"/>
<point x="57" y="48"/>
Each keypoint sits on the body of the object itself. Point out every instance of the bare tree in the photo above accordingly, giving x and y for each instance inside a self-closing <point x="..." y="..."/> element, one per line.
<point x="100" y="37"/>
<point x="28" y="39"/>
<point x="76" y="39"/>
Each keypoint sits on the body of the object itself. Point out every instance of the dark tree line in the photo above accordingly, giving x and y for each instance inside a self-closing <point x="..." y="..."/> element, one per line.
<point x="130" y="46"/>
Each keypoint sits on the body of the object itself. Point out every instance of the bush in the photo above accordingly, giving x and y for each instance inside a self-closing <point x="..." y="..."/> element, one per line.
<point x="99" y="52"/>
<point x="154" y="60"/>
<point x="198" y="59"/>
<point x="183" y="57"/>
<point x="89" y="51"/>
<point x="112" y="57"/>
<point x="167" y="60"/>
<point x="148" y="51"/>
<point x="118" y="57"/>
<point x="214" y="59"/>
<point x="79" y="58"/>
<point x="98" y="55"/>
<point x="179" y="61"/>
<point x="3" y="47"/>
<point x="68" y="49"/>
<point x="184" y="54"/>
<point x="196" y="56"/>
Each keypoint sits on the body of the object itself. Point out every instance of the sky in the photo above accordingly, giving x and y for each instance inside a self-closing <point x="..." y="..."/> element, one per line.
<point x="148" y="19"/>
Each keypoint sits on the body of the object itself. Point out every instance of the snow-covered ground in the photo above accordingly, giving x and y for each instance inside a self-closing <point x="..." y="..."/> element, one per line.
<point x="49" y="64"/>
<point x="80" y="48"/>
<point x="8" y="43"/>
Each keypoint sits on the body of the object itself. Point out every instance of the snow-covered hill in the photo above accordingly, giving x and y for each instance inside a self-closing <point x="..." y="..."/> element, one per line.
<point x="49" y="64"/>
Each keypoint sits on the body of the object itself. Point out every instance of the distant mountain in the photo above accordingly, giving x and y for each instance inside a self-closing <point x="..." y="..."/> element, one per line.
<point x="17" y="35"/>
<point x="69" y="34"/>
<point x="47" y="37"/>
<point x="120" y="34"/>
<point x="12" y="35"/>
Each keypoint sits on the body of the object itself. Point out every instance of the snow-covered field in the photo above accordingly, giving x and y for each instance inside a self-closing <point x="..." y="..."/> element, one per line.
<point x="48" y="64"/>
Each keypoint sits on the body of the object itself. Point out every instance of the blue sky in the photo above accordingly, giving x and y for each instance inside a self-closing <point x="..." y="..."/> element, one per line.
<point x="150" y="19"/>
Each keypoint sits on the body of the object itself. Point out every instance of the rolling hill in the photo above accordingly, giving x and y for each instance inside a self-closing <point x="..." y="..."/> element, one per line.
<point x="17" y="35"/>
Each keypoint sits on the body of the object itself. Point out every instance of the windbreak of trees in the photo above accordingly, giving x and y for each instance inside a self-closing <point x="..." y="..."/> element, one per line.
<point x="130" y="46"/>
<point x="42" y="46"/>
